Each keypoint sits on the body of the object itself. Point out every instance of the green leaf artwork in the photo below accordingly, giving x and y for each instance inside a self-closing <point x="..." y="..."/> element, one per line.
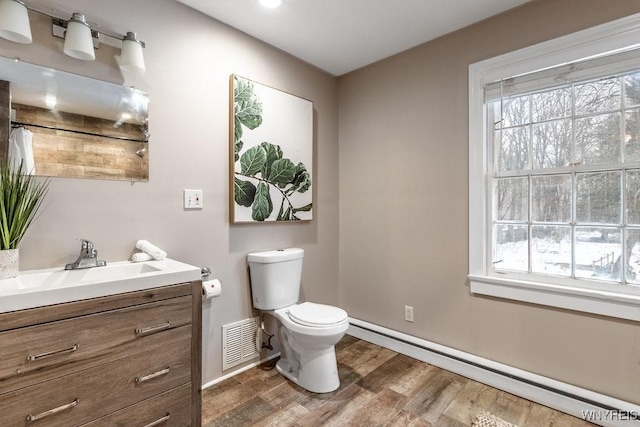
<point x="245" y="192"/>
<point x="263" y="175"/>
<point x="262" y="206"/>
<point x="252" y="161"/>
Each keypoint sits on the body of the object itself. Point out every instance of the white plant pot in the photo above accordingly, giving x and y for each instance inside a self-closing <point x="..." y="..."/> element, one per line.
<point x="9" y="263"/>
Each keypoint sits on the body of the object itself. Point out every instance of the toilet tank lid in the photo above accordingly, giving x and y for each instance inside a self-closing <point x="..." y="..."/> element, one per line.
<point x="278" y="255"/>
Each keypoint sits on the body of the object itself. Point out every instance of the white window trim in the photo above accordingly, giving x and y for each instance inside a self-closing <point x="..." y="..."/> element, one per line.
<point x="612" y="36"/>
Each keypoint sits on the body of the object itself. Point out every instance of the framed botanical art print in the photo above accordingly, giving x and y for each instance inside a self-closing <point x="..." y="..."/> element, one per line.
<point x="271" y="154"/>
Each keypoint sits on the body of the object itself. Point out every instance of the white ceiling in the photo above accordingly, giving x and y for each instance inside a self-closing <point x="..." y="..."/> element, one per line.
<point x="339" y="36"/>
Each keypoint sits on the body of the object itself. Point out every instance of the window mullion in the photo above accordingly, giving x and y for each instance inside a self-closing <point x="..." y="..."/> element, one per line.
<point x="623" y="180"/>
<point x="623" y="119"/>
<point x="574" y="150"/>
<point x="530" y="190"/>
<point x="529" y="227"/>
<point x="623" y="227"/>
<point x="574" y="193"/>
<point x="574" y="199"/>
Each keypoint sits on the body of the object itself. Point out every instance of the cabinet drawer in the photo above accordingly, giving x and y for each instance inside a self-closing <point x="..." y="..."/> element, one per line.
<point x="76" y="399"/>
<point x="170" y="409"/>
<point x="38" y="353"/>
<point x="52" y="313"/>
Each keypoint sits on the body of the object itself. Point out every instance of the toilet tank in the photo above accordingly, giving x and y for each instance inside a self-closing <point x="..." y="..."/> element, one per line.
<point x="275" y="277"/>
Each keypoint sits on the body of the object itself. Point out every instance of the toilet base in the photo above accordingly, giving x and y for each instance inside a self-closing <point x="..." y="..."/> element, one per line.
<point x="319" y="372"/>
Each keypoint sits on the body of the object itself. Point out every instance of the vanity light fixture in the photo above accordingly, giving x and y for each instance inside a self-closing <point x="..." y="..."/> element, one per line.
<point x="14" y="21"/>
<point x="78" y="42"/>
<point x="131" y="57"/>
<point x="271" y="4"/>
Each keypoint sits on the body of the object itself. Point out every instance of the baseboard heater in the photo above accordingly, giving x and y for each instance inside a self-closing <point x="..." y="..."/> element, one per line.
<point x="498" y="375"/>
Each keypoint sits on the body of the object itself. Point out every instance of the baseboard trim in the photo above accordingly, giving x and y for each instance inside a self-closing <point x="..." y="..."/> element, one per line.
<point x="239" y="370"/>
<point x="604" y="410"/>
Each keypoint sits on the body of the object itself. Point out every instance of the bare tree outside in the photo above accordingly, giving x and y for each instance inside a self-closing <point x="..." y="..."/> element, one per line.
<point x="567" y="180"/>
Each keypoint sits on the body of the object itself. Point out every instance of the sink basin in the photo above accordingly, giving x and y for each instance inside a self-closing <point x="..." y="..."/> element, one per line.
<point x="52" y="286"/>
<point x="63" y="278"/>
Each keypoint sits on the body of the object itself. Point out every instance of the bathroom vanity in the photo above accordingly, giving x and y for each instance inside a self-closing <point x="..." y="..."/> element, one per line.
<point x="115" y="345"/>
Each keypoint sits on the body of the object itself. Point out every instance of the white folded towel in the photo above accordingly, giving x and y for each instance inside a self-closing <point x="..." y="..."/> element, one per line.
<point x="141" y="257"/>
<point x="152" y="250"/>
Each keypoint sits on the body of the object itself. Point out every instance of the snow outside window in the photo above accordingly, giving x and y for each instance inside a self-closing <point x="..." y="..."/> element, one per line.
<point x="555" y="172"/>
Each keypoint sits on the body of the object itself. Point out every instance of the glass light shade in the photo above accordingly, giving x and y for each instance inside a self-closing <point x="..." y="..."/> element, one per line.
<point x="77" y="40"/>
<point x="131" y="56"/>
<point x="14" y="21"/>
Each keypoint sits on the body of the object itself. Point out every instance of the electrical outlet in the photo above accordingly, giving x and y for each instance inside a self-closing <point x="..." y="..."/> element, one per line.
<point x="408" y="313"/>
<point x="193" y="199"/>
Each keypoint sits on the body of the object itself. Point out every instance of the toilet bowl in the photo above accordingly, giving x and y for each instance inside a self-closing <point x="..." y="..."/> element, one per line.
<point x="308" y="332"/>
<point x="308" y="335"/>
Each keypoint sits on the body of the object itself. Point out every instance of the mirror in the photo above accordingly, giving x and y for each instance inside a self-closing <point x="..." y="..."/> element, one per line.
<point x="80" y="127"/>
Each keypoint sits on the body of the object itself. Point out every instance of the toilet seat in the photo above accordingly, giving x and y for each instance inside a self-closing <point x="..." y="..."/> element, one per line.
<point x="316" y="315"/>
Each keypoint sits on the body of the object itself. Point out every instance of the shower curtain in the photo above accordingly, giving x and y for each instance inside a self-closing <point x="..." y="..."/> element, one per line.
<point x="21" y="150"/>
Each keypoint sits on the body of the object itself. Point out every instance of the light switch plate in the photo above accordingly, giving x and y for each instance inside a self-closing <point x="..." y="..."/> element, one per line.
<point x="192" y="199"/>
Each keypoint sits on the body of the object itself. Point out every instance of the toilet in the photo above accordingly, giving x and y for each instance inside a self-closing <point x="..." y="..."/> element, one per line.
<point x="308" y="332"/>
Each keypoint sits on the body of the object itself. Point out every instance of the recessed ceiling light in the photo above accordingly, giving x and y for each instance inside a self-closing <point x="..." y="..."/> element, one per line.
<point x="271" y="4"/>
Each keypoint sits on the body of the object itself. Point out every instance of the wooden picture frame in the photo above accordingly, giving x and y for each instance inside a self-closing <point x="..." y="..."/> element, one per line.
<point x="271" y="154"/>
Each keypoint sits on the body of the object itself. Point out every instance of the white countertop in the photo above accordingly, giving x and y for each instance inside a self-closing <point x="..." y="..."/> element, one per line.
<point x="36" y="288"/>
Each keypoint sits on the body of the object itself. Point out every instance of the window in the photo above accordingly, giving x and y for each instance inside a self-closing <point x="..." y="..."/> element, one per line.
<point x="555" y="173"/>
<point x="566" y="180"/>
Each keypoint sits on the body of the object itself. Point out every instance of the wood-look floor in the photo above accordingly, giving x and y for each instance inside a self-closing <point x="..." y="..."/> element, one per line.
<point x="379" y="387"/>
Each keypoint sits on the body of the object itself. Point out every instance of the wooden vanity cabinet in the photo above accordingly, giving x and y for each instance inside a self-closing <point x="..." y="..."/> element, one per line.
<point x="131" y="359"/>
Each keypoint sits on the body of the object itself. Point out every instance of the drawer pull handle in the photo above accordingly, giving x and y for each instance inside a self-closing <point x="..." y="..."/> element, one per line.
<point x="34" y="357"/>
<point x="51" y="411"/>
<point x="144" y="378"/>
<point x="160" y="421"/>
<point x="152" y="329"/>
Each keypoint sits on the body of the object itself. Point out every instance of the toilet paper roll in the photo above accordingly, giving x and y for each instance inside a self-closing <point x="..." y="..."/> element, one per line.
<point x="211" y="289"/>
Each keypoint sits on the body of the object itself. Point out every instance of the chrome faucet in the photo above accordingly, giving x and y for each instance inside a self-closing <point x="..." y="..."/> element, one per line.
<point x="88" y="258"/>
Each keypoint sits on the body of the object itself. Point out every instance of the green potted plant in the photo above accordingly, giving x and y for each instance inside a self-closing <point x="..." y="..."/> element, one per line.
<point x="21" y="197"/>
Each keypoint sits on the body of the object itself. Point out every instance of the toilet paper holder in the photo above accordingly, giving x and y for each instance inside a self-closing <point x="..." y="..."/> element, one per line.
<point x="211" y="288"/>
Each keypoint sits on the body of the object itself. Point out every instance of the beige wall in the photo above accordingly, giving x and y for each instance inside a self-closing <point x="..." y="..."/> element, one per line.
<point x="189" y="58"/>
<point x="404" y="208"/>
